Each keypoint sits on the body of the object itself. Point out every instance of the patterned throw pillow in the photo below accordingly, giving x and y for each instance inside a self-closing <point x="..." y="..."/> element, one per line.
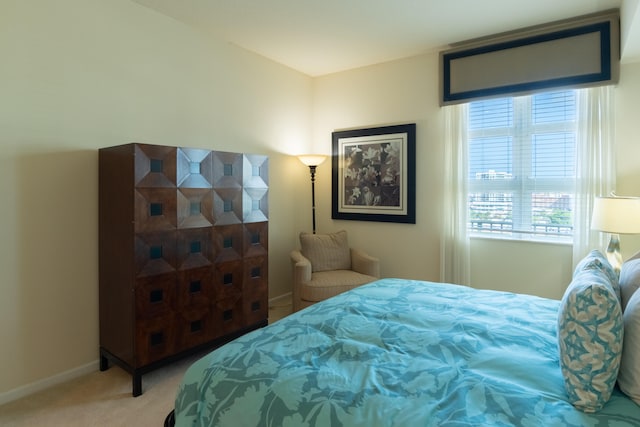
<point x="590" y="334"/>
<point x="595" y="260"/>
<point x="326" y="251"/>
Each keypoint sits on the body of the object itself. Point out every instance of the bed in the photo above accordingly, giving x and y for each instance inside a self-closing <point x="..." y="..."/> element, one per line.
<point x="396" y="352"/>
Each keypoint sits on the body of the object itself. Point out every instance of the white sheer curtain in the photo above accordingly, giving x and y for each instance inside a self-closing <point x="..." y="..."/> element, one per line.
<point x="595" y="164"/>
<point x="454" y="248"/>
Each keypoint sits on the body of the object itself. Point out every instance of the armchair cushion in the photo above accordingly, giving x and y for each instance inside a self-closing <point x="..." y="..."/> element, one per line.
<point x="326" y="284"/>
<point x="326" y="251"/>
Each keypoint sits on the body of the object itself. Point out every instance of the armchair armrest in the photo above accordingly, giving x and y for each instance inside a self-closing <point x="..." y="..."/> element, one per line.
<point x="301" y="267"/>
<point x="364" y="263"/>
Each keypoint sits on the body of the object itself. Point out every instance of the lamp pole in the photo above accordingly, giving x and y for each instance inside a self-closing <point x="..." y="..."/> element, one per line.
<point x="312" y="170"/>
<point x="312" y="160"/>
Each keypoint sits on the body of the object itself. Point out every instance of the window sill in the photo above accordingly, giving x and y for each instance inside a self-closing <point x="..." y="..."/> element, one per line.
<point x="521" y="240"/>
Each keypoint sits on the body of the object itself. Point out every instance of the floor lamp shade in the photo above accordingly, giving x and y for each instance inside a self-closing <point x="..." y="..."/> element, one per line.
<point x="312" y="159"/>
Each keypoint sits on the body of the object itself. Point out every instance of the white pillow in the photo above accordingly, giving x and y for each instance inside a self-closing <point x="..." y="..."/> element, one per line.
<point x="629" y="375"/>
<point x="629" y="280"/>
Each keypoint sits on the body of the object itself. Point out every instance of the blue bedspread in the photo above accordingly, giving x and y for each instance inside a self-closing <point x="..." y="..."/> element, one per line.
<point x="395" y="353"/>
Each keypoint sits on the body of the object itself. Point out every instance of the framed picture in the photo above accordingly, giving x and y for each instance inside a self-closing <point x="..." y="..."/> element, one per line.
<point x="374" y="174"/>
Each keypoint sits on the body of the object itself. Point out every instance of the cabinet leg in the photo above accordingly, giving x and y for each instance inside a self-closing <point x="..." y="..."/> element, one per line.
<point x="104" y="363"/>
<point x="137" y="384"/>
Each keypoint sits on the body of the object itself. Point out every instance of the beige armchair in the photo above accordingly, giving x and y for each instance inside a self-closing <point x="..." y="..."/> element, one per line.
<point x="326" y="266"/>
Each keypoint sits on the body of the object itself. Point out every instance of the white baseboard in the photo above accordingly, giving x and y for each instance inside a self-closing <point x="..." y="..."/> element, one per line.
<point x="46" y="383"/>
<point x="279" y="299"/>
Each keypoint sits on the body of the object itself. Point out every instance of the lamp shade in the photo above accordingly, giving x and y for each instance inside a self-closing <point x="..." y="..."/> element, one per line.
<point x="312" y="159"/>
<point x="619" y="215"/>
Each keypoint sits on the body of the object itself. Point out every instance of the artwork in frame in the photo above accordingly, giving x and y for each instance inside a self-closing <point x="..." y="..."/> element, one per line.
<point x="374" y="174"/>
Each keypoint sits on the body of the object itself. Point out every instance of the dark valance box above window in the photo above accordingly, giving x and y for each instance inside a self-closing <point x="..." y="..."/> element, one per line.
<point x="578" y="52"/>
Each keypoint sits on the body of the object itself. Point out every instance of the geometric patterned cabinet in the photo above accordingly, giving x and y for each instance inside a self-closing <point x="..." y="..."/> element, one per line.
<point x="183" y="241"/>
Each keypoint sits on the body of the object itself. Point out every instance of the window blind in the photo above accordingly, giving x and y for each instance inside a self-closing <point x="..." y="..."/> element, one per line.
<point x="522" y="165"/>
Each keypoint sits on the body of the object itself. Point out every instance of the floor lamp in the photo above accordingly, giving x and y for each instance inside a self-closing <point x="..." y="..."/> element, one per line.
<point x="312" y="160"/>
<point x="616" y="215"/>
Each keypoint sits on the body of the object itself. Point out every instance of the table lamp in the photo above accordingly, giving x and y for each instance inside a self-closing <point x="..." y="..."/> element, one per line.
<point x="616" y="215"/>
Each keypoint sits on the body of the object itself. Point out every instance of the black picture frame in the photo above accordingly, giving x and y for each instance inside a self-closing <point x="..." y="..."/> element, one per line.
<point x="374" y="174"/>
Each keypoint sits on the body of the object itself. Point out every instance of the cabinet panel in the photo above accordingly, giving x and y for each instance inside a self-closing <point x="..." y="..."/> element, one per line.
<point x="155" y="296"/>
<point x="155" y="253"/>
<point x="194" y="168"/>
<point x="256" y="308"/>
<point x="228" y="279"/>
<point x="256" y="239"/>
<point x="227" y="316"/>
<point x="227" y="206"/>
<point x="195" y="207"/>
<point x="155" y="166"/>
<point x="255" y="205"/>
<point x="155" y="209"/>
<point x="194" y="327"/>
<point x="255" y="172"/>
<point x="228" y="241"/>
<point x="227" y="170"/>
<point x="194" y="248"/>
<point x="155" y="339"/>
<point x="195" y="288"/>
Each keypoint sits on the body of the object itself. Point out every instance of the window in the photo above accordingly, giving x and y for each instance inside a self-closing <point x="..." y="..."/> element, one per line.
<point x="522" y="166"/>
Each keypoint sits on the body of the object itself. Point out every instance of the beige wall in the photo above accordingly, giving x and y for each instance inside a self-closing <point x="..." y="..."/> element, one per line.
<point x="628" y="143"/>
<point x="77" y="75"/>
<point x="406" y="91"/>
<point x="396" y="92"/>
<point x="112" y="72"/>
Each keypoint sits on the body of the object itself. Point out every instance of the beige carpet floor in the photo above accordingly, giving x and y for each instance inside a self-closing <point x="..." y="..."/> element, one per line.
<point x="104" y="398"/>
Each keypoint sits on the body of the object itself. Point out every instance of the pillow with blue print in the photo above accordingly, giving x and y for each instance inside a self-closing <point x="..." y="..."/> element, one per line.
<point x="590" y="338"/>
<point x="595" y="260"/>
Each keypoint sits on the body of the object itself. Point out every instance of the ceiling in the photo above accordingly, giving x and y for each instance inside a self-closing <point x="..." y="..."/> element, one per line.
<point x="318" y="37"/>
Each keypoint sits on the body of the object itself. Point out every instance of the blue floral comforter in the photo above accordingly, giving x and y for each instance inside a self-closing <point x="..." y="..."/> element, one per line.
<point x="395" y="353"/>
